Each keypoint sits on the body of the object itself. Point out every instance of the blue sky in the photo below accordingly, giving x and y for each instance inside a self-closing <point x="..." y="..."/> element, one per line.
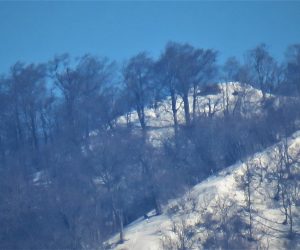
<point x="36" y="31"/>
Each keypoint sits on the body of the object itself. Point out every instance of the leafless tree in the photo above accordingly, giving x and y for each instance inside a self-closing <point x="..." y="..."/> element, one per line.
<point x="263" y="67"/>
<point x="292" y="74"/>
<point x="180" y="237"/>
<point x="248" y="185"/>
<point x="138" y="78"/>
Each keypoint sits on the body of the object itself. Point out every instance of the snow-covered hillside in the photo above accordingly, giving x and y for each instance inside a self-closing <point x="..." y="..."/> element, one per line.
<point x="231" y="96"/>
<point x="217" y="196"/>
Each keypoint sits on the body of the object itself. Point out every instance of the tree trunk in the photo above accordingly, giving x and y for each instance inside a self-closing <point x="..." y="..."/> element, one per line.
<point x="157" y="205"/>
<point x="250" y="216"/>
<point x="33" y="130"/>
<point x="194" y="101"/>
<point x="284" y="207"/>
<point x="45" y="135"/>
<point x="186" y="105"/>
<point x="174" y="111"/>
<point x="121" y="225"/>
<point x="225" y="100"/>
<point x="290" y="217"/>
<point x="141" y="115"/>
<point x="19" y="132"/>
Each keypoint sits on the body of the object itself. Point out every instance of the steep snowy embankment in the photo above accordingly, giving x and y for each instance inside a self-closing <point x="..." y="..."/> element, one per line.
<point x="267" y="218"/>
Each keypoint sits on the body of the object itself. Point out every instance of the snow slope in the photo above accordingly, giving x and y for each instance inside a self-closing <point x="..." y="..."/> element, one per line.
<point x="147" y="234"/>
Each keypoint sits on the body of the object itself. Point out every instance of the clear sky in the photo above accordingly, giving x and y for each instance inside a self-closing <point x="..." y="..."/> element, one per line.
<point x="36" y="31"/>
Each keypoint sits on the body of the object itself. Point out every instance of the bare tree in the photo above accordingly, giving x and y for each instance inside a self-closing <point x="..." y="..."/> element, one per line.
<point x="166" y="69"/>
<point x="224" y="225"/>
<point x="138" y="78"/>
<point x="230" y="73"/>
<point x="180" y="237"/>
<point x="112" y="167"/>
<point x="27" y="89"/>
<point x="292" y="74"/>
<point x="247" y="184"/>
<point x="82" y="86"/>
<point x="287" y="183"/>
<point x="263" y="67"/>
<point x="191" y="67"/>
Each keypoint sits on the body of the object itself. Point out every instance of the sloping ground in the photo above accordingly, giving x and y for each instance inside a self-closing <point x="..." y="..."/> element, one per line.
<point x="232" y="96"/>
<point x="213" y="195"/>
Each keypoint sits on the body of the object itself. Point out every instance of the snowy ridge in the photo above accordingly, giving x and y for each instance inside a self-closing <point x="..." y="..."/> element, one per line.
<point x="231" y="96"/>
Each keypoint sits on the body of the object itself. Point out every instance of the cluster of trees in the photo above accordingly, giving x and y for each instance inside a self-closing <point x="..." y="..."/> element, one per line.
<point x="70" y="175"/>
<point x="212" y="220"/>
